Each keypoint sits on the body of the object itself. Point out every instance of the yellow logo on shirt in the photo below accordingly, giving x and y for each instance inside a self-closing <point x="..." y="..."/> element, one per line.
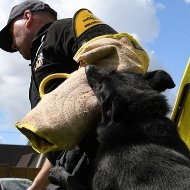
<point x="83" y="20"/>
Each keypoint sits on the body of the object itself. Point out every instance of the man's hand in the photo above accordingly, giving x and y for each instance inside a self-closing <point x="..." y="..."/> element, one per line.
<point x="41" y="181"/>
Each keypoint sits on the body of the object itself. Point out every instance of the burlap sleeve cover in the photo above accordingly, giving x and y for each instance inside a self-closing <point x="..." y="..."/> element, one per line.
<point x="65" y="115"/>
<point x="62" y="117"/>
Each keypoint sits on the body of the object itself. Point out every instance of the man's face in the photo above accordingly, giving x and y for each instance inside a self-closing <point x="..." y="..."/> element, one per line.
<point x="22" y="38"/>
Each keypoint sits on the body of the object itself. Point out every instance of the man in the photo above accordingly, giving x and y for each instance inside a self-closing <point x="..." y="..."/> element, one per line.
<point x="34" y="31"/>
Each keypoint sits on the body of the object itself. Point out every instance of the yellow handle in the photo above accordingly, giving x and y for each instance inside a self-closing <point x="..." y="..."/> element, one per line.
<point x="48" y="78"/>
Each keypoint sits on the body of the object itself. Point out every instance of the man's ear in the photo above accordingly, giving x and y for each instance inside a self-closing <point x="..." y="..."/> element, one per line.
<point x="159" y="80"/>
<point x="27" y="17"/>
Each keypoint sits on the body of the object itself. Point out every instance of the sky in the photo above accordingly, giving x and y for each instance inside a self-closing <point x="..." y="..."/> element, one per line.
<point x="161" y="27"/>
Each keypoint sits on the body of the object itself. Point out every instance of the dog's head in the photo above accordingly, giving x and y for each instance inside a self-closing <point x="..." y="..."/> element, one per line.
<point x="124" y="94"/>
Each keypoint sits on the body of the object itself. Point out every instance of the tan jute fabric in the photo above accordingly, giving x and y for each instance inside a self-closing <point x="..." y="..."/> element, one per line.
<point x="65" y="115"/>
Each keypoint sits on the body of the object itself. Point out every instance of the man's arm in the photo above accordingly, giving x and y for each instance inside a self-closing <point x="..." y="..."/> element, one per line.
<point x="41" y="180"/>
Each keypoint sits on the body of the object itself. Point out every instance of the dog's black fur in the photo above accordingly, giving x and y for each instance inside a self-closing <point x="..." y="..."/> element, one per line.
<point x="140" y="148"/>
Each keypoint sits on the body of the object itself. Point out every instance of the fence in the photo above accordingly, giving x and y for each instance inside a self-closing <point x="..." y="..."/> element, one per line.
<point x="20" y="172"/>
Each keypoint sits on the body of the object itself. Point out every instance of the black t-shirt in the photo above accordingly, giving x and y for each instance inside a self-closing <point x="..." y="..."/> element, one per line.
<point x="54" y="56"/>
<point x="52" y="52"/>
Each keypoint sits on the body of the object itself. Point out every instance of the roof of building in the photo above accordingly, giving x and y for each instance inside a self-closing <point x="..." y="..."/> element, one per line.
<point x="20" y="156"/>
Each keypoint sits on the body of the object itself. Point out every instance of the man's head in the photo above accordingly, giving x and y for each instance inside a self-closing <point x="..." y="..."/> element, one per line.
<point x="25" y="20"/>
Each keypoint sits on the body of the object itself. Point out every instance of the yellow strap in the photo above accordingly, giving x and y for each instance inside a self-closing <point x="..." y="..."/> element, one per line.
<point x="48" y="78"/>
<point x="119" y="35"/>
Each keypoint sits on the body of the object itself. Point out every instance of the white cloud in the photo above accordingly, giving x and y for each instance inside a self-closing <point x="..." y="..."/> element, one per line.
<point x="187" y="1"/>
<point x="137" y="17"/>
<point x="14" y="77"/>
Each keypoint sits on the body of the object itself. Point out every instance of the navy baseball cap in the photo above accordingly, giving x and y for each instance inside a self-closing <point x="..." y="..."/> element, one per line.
<point x="18" y="10"/>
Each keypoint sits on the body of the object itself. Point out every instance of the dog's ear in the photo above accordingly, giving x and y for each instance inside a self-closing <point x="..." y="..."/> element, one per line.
<point x="159" y="80"/>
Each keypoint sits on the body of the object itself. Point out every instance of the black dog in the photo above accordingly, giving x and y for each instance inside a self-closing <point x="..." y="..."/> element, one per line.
<point x="140" y="148"/>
